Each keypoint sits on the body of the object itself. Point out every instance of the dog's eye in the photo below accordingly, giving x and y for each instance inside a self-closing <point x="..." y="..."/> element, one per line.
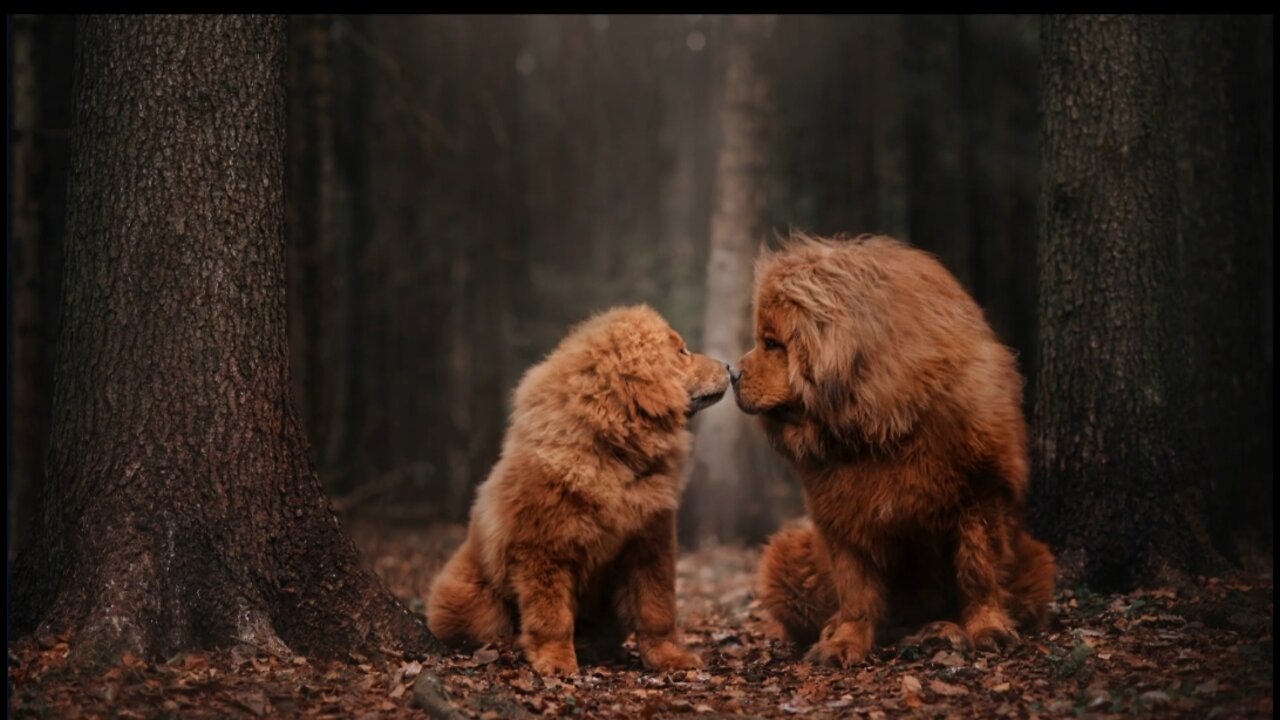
<point x="771" y="344"/>
<point x="684" y="351"/>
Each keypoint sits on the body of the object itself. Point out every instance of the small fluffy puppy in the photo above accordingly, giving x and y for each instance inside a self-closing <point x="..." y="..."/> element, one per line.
<point x="573" y="532"/>
<point x="876" y="376"/>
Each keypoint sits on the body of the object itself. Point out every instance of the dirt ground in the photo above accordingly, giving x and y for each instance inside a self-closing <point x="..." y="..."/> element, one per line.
<point x="1202" y="651"/>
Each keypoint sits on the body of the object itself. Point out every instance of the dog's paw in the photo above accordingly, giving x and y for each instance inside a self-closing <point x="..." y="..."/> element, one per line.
<point x="994" y="638"/>
<point x="553" y="659"/>
<point x="840" y="653"/>
<point x="991" y="630"/>
<point x="843" y="644"/>
<point x="940" y="635"/>
<point x="670" y="656"/>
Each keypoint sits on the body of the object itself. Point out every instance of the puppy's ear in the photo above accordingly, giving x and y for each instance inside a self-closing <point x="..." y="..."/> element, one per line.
<point x="654" y="396"/>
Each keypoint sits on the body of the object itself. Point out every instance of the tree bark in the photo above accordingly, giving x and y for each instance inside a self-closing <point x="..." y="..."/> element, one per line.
<point x="739" y="224"/>
<point x="182" y="508"/>
<point x="1114" y="485"/>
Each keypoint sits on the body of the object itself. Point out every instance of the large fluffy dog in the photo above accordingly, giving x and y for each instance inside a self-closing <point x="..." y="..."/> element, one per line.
<point x="575" y="524"/>
<point x="877" y="377"/>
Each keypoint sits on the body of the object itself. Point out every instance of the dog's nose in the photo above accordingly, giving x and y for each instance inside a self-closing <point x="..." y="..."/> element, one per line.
<point x="734" y="373"/>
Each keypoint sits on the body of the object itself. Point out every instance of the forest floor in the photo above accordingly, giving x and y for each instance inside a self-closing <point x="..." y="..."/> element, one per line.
<point x="1202" y="651"/>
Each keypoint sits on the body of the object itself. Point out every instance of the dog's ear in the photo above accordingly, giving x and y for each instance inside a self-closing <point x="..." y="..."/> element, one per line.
<point x="634" y="371"/>
<point x="838" y="339"/>
<point x="656" y="397"/>
<point x="822" y="360"/>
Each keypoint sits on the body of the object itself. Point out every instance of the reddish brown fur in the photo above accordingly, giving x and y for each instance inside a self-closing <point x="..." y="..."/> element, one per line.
<point x="575" y="525"/>
<point x="877" y="377"/>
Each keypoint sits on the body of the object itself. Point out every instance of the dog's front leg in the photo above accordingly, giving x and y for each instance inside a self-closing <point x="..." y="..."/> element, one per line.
<point x="647" y="596"/>
<point x="981" y="544"/>
<point x="847" y="637"/>
<point x="545" y="595"/>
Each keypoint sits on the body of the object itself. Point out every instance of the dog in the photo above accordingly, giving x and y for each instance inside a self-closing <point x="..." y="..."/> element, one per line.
<point x="572" y="535"/>
<point x="878" y="379"/>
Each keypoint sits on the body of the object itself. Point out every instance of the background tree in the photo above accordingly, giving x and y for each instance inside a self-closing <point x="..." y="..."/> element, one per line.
<point x="1224" y="229"/>
<point x="311" y="207"/>
<point x="181" y="506"/>
<point x="739" y="224"/>
<point x="1115" y="484"/>
<point x="41" y="113"/>
<point x="1000" y="59"/>
<point x="462" y="188"/>
<point x="939" y="147"/>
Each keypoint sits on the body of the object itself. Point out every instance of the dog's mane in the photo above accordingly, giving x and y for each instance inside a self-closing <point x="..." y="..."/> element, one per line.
<point x="873" y="324"/>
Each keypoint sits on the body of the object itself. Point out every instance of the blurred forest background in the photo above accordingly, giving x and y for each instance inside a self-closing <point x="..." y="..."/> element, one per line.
<point x="462" y="189"/>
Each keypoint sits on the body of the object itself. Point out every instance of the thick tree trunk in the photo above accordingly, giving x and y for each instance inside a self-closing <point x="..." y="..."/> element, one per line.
<point x="739" y="224"/>
<point x="1223" y="227"/>
<point x="182" y="508"/>
<point x="1114" y="483"/>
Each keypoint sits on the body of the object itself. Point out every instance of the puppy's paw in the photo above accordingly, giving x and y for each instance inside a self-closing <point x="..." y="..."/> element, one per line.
<point x="995" y="638"/>
<point x="991" y="630"/>
<point x="667" y="655"/>
<point x="553" y="659"/>
<point x="844" y="644"/>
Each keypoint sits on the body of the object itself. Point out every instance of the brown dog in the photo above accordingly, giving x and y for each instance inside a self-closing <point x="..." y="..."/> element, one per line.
<point x="575" y="524"/>
<point x="877" y="377"/>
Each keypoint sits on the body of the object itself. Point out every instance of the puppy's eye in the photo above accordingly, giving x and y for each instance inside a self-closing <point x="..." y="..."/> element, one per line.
<point x="771" y="344"/>
<point x="684" y="351"/>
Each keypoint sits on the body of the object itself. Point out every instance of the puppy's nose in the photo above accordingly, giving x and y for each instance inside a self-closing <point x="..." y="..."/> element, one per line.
<point x="734" y="373"/>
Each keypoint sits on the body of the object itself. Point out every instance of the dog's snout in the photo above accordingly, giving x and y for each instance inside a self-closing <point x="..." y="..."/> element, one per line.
<point x="734" y="373"/>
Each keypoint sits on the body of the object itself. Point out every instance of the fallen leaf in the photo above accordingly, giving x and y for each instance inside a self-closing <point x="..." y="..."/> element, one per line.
<point x="947" y="658"/>
<point x="947" y="689"/>
<point x="911" y="685"/>
<point x="1209" y="687"/>
<point x="254" y="701"/>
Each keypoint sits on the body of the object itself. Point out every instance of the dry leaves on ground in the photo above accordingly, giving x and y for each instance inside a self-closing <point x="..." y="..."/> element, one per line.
<point x="1197" y="652"/>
